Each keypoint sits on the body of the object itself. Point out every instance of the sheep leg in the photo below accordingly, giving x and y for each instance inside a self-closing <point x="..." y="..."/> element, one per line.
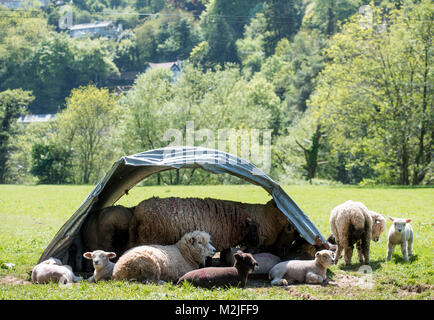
<point x="279" y="282"/>
<point x="404" y="251"/>
<point x="313" y="278"/>
<point x="338" y="253"/>
<point x="366" y="242"/>
<point x="360" y="251"/>
<point x="348" y="254"/>
<point x="390" y="249"/>
<point x="410" y="247"/>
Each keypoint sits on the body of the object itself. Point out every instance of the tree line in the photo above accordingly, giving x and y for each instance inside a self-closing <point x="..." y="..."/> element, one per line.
<point x="347" y="95"/>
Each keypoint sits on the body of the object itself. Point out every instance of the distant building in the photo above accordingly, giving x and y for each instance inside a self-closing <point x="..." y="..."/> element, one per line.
<point x="15" y="4"/>
<point x="175" y="67"/>
<point x="30" y="118"/>
<point x="96" y="29"/>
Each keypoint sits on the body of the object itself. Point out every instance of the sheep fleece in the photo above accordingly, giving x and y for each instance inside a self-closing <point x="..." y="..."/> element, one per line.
<point x="165" y="220"/>
<point x="157" y="262"/>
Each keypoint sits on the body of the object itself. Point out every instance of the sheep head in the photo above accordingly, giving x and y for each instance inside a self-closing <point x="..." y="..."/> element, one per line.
<point x="378" y="225"/>
<point x="99" y="258"/>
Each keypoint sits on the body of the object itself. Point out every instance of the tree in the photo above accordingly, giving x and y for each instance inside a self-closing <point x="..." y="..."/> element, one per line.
<point x="13" y="104"/>
<point x="283" y="21"/>
<point x="51" y="163"/>
<point x="87" y="126"/>
<point x="375" y="95"/>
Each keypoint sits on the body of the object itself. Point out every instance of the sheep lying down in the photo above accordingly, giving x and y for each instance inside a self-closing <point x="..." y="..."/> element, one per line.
<point x="223" y="276"/>
<point x="52" y="270"/>
<point x="302" y="271"/>
<point x="154" y="263"/>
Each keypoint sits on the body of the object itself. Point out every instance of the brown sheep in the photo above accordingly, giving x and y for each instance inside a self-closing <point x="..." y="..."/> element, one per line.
<point x="165" y="220"/>
<point x="223" y="276"/>
<point x="107" y="230"/>
<point x="352" y="223"/>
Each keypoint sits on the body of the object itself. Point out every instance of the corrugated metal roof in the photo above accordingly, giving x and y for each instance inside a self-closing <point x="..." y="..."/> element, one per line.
<point x="91" y="25"/>
<point x="130" y="170"/>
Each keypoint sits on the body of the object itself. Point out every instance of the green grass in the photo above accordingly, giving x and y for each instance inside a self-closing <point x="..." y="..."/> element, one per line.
<point x="31" y="215"/>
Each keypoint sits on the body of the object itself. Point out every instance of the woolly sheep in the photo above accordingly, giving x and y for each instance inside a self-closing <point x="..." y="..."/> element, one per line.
<point x="400" y="233"/>
<point x="102" y="264"/>
<point x="52" y="270"/>
<point x="168" y="263"/>
<point x="164" y="221"/>
<point x="302" y="271"/>
<point x="223" y="276"/>
<point x="350" y="223"/>
<point x="107" y="229"/>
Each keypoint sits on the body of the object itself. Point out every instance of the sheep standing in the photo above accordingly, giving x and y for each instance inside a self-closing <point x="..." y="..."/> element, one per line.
<point x="102" y="264"/>
<point x="223" y="276"/>
<point x="166" y="220"/>
<point x="352" y="223"/>
<point x="302" y="271"/>
<point x="400" y="233"/>
<point x="167" y="263"/>
<point x="52" y="270"/>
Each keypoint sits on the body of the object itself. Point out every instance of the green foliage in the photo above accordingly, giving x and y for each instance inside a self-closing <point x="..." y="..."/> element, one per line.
<point x="87" y="126"/>
<point x="51" y="164"/>
<point x="374" y="94"/>
<point x="13" y="104"/>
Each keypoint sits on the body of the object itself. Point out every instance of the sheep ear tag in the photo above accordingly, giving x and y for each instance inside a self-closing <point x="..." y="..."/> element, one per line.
<point x="390" y="218"/>
<point x="408" y="220"/>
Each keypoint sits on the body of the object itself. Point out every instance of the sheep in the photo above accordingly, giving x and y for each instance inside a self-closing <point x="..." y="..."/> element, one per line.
<point x="223" y="276"/>
<point x="157" y="263"/>
<point x="164" y="221"/>
<point x="265" y="260"/>
<point x="401" y="233"/>
<point x="350" y="223"/>
<point x="52" y="270"/>
<point x="302" y="271"/>
<point x="108" y="230"/>
<point x="102" y="264"/>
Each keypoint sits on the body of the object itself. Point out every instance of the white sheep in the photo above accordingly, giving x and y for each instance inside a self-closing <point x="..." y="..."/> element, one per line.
<point x="157" y="263"/>
<point x="102" y="264"/>
<point x="52" y="270"/>
<point x="302" y="271"/>
<point x="352" y="223"/>
<point x="401" y="233"/>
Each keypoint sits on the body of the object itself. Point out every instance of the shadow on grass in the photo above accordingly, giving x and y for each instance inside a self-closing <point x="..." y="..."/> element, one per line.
<point x="374" y="264"/>
<point x="397" y="258"/>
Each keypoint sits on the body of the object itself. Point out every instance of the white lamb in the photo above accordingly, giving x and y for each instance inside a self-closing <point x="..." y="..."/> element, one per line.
<point x="52" y="270"/>
<point x="400" y="233"/>
<point x="102" y="264"/>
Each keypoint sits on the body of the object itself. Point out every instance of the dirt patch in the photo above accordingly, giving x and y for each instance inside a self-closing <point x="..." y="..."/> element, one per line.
<point x="343" y="280"/>
<point x="11" y="280"/>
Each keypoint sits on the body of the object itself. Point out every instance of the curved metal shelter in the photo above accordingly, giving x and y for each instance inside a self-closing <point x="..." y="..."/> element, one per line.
<point x="130" y="170"/>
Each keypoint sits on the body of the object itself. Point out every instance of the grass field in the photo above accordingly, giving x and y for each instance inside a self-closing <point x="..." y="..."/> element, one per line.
<point x="31" y="215"/>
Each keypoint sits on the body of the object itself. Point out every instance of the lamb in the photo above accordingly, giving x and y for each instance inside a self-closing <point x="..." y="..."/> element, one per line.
<point x="350" y="223"/>
<point x="157" y="263"/>
<point x="164" y="221"/>
<point x="401" y="233"/>
<point x="102" y="264"/>
<point x="223" y="276"/>
<point x="265" y="260"/>
<point x="52" y="270"/>
<point x="302" y="271"/>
